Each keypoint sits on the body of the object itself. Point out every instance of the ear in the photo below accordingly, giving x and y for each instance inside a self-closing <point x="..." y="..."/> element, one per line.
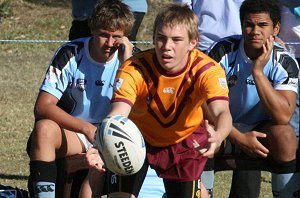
<point x="193" y="44"/>
<point x="276" y="29"/>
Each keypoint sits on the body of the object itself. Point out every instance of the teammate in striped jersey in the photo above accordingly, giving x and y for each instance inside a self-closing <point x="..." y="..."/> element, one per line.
<point x="263" y="82"/>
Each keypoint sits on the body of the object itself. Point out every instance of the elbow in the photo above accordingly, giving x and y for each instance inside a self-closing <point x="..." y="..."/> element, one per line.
<point x="37" y="113"/>
<point x="282" y="119"/>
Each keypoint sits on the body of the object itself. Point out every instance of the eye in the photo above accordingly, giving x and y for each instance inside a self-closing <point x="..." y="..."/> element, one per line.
<point x="160" y="38"/>
<point x="117" y="37"/>
<point x="177" y="39"/>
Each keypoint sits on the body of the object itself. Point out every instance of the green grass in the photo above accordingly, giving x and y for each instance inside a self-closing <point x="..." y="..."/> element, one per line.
<point x="22" y="70"/>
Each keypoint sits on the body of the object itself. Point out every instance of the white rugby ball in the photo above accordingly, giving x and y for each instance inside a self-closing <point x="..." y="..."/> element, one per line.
<point x="121" y="145"/>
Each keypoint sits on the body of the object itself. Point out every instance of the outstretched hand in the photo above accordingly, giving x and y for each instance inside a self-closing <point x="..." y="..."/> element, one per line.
<point x="213" y="143"/>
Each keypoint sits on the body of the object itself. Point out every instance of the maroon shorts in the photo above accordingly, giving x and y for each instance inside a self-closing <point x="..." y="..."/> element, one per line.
<point x="179" y="162"/>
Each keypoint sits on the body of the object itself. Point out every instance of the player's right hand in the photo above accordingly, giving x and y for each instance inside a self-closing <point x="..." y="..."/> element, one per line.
<point x="250" y="144"/>
<point x="94" y="160"/>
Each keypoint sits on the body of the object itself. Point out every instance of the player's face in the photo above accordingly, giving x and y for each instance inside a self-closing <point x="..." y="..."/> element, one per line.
<point x="172" y="46"/>
<point x="257" y="28"/>
<point x="103" y="43"/>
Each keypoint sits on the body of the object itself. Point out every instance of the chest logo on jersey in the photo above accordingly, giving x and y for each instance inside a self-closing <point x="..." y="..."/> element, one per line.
<point x="232" y="80"/>
<point x="99" y="83"/>
<point x="249" y="82"/>
<point x="81" y="84"/>
<point x="168" y="90"/>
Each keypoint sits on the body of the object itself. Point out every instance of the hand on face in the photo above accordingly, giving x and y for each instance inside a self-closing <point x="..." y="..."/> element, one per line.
<point x="263" y="59"/>
<point x="125" y="48"/>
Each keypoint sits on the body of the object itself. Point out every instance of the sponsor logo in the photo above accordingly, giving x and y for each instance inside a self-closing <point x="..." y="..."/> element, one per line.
<point x="118" y="83"/>
<point x="113" y="179"/>
<point x="198" y="193"/>
<point x="249" y="82"/>
<point x="123" y="155"/>
<point x="168" y="90"/>
<point x="223" y="83"/>
<point x="293" y="82"/>
<point x="53" y="74"/>
<point x="232" y="80"/>
<point x="81" y="84"/>
<point x="99" y="82"/>
<point x="44" y="188"/>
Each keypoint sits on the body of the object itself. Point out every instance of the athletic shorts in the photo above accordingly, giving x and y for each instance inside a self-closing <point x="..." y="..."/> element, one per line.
<point x="179" y="163"/>
<point x="84" y="141"/>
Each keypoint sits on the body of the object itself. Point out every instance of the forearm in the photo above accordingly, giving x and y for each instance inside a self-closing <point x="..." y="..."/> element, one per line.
<point x="234" y="135"/>
<point x="271" y="99"/>
<point x="63" y="119"/>
<point x="223" y="125"/>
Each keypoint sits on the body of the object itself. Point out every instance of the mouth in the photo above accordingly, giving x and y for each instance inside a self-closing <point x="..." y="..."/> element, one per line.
<point x="166" y="58"/>
<point x="255" y="40"/>
<point x="107" y="50"/>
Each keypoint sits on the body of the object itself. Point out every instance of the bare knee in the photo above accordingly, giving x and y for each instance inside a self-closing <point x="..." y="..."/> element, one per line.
<point x="45" y="136"/>
<point x="283" y="143"/>
<point x="46" y="131"/>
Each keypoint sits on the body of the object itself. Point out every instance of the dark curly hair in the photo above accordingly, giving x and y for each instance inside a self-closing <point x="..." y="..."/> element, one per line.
<point x="271" y="7"/>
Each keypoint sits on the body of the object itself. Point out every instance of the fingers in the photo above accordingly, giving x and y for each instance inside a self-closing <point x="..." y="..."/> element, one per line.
<point x="259" y="134"/>
<point x="198" y="147"/>
<point x="94" y="160"/>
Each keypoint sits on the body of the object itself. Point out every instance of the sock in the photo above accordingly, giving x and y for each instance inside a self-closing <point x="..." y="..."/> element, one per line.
<point x="207" y="178"/>
<point x="285" y="185"/>
<point x="43" y="178"/>
<point x="245" y="184"/>
<point x="44" y="189"/>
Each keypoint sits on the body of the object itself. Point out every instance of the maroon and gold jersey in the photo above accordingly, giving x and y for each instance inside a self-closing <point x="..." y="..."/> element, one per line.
<point x="167" y="106"/>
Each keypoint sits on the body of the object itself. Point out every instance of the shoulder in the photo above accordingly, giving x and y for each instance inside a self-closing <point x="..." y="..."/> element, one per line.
<point x="224" y="46"/>
<point x="200" y="62"/>
<point x="140" y="60"/>
<point x="285" y="60"/>
<point x="66" y="52"/>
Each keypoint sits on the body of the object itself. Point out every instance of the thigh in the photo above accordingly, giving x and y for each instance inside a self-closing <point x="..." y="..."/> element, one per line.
<point x="70" y="144"/>
<point x="130" y="184"/>
<point x="186" y="189"/>
<point x="281" y="140"/>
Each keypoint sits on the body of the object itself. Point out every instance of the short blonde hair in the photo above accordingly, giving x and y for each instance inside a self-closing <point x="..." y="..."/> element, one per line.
<point x="177" y="14"/>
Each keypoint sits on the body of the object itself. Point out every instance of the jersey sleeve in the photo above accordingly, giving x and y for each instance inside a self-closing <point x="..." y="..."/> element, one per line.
<point x="285" y="74"/>
<point x="59" y="73"/>
<point x="214" y="84"/>
<point x="127" y="84"/>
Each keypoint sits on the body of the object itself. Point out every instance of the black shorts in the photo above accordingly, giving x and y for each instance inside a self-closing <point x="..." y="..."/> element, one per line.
<point x="133" y="183"/>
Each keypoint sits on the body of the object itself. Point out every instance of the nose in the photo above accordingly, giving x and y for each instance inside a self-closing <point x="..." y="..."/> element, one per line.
<point x="110" y="41"/>
<point x="167" y="44"/>
<point x="255" y="29"/>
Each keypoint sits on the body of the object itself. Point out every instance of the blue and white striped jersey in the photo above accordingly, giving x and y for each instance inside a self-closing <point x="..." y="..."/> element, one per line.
<point x="245" y="106"/>
<point x="82" y="85"/>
